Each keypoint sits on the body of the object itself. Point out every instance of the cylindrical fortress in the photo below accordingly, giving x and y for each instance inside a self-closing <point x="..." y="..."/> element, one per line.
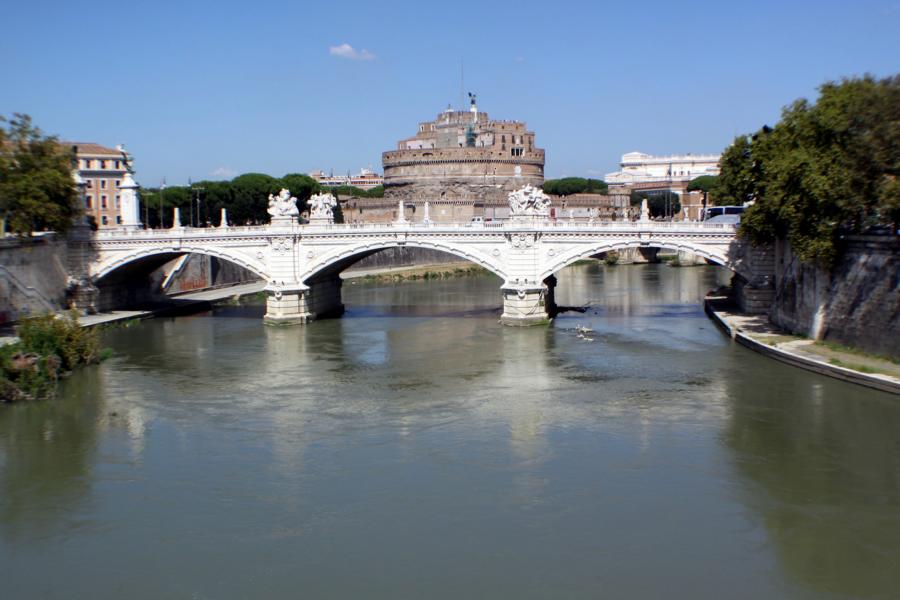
<point x="464" y="164"/>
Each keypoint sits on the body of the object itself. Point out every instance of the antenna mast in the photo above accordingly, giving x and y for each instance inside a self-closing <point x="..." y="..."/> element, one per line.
<point x="462" y="87"/>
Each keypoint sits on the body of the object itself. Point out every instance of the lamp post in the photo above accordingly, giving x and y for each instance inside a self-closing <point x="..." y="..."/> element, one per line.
<point x="199" y="200"/>
<point x="162" y="190"/>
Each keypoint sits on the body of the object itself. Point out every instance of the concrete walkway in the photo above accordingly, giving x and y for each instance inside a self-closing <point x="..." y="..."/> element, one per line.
<point x="180" y="301"/>
<point x="759" y="334"/>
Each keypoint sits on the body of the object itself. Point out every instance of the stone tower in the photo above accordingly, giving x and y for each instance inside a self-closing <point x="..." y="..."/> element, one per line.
<point x="464" y="164"/>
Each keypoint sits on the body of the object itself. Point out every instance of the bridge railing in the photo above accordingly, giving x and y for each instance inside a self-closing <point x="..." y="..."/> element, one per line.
<point x="548" y="224"/>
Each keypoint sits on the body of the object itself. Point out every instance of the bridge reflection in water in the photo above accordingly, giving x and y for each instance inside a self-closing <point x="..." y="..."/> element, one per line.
<point x="433" y="452"/>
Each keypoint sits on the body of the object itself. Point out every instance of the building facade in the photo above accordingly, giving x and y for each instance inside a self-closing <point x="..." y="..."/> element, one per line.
<point x="645" y="172"/>
<point x="463" y="163"/>
<point x="366" y="179"/>
<point x="102" y="170"/>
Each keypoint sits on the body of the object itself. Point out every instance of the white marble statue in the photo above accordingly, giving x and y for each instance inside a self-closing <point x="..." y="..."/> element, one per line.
<point x="645" y="210"/>
<point x="283" y="205"/>
<point x="529" y="202"/>
<point x="321" y="207"/>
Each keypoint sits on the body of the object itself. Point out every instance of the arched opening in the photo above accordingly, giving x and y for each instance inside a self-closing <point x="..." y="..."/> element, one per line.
<point x="152" y="280"/>
<point x="613" y="278"/>
<point x="323" y="291"/>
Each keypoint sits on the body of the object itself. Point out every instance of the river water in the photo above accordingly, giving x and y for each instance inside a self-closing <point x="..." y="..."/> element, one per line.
<point x="415" y="448"/>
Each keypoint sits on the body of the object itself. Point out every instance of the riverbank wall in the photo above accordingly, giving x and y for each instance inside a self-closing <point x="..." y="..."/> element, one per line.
<point x="403" y="257"/>
<point x="33" y="276"/>
<point x="758" y="334"/>
<point x="857" y="303"/>
<point x="199" y="272"/>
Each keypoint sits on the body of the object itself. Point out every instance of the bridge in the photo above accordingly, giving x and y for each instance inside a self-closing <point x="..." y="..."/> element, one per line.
<point x="301" y="264"/>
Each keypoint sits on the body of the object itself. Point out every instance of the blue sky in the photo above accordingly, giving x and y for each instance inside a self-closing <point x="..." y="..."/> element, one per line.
<point x="210" y="89"/>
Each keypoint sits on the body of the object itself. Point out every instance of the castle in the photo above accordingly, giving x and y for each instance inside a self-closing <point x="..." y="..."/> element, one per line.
<point x="464" y="164"/>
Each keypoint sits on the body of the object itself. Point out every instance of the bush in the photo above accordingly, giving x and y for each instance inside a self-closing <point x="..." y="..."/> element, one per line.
<point x="48" y="347"/>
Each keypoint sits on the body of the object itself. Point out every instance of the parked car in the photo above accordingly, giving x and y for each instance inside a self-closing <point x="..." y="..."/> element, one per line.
<point x="717" y="211"/>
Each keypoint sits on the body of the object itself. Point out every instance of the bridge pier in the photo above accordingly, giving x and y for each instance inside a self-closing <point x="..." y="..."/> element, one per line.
<point x="525" y="305"/>
<point x="295" y="303"/>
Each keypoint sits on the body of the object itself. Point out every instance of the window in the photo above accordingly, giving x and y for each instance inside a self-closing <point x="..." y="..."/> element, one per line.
<point x="118" y="220"/>
<point x="118" y="201"/>
<point x="90" y="183"/>
<point x="89" y="202"/>
<point x="104" y="220"/>
<point x="102" y="184"/>
<point x="87" y="163"/>
<point x="118" y="163"/>
<point x="118" y="182"/>
<point x="517" y="152"/>
<point x="102" y="164"/>
<point x="103" y="201"/>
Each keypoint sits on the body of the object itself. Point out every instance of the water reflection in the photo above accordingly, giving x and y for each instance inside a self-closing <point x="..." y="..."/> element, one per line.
<point x="47" y="456"/>
<point x="416" y="447"/>
<point x="821" y="460"/>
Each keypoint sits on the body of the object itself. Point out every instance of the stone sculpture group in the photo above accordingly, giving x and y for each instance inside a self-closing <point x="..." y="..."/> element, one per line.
<point x="283" y="205"/>
<point x="529" y="202"/>
<point x="321" y="207"/>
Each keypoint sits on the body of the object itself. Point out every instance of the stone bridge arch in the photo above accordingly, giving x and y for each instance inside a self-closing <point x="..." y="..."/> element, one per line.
<point x="725" y="255"/>
<point x="120" y="260"/>
<point x="332" y="263"/>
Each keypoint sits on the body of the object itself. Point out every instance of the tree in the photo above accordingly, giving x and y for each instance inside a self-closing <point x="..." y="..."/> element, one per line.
<point x="250" y="197"/>
<point x="574" y="185"/>
<point x="824" y="169"/>
<point x="301" y="186"/>
<point x="703" y="183"/>
<point x="37" y="191"/>
<point x="660" y="205"/>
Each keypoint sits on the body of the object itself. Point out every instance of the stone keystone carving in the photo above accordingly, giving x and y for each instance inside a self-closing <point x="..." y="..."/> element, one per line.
<point x="321" y="207"/>
<point x="283" y="205"/>
<point x="529" y="202"/>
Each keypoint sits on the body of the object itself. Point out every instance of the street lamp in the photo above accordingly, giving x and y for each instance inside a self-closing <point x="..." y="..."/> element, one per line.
<point x="162" y="190"/>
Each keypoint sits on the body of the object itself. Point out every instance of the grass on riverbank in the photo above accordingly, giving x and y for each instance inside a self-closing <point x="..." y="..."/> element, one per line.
<point x="427" y="273"/>
<point x="48" y="348"/>
<point x="835" y="347"/>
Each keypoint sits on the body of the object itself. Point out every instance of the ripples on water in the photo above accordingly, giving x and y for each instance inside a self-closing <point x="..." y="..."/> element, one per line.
<point x="416" y="448"/>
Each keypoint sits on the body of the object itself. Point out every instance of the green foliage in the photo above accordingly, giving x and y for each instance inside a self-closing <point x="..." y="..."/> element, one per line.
<point x="611" y="258"/>
<point x="703" y="183"/>
<point x="250" y="197"/>
<point x="660" y="205"/>
<point x="48" y="347"/>
<point x="348" y="190"/>
<point x="824" y="169"/>
<point x="301" y="186"/>
<point x="37" y="192"/>
<point x="61" y="336"/>
<point x="574" y="185"/>
<point x="246" y="198"/>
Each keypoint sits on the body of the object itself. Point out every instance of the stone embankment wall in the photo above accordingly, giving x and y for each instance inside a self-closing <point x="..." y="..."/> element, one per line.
<point x="392" y="258"/>
<point x="199" y="271"/>
<point x="857" y="303"/>
<point x="33" y="277"/>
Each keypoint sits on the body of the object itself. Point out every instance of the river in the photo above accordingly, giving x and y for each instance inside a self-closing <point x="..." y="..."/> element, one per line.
<point x="415" y="448"/>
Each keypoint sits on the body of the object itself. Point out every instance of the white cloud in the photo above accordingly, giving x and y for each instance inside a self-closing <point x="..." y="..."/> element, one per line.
<point x="349" y="52"/>
<point x="222" y="172"/>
